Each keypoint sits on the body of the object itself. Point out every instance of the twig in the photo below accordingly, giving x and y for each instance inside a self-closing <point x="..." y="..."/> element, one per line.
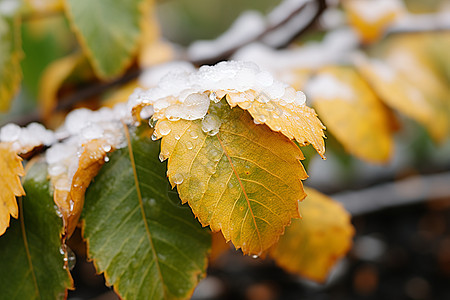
<point x="405" y="192"/>
<point x="68" y="102"/>
<point x="226" y="54"/>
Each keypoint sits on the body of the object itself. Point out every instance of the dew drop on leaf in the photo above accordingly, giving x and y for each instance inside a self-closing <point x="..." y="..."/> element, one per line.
<point x="164" y="128"/>
<point x="178" y="178"/>
<point x="193" y="135"/>
<point x="189" y="145"/>
<point x="152" y="122"/>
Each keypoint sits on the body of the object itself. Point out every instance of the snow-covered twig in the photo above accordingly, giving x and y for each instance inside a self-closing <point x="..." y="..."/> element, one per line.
<point x="284" y="24"/>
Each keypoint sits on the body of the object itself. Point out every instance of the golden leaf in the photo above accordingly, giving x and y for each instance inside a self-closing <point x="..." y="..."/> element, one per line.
<point x="10" y="186"/>
<point x="371" y="18"/>
<point x="153" y="50"/>
<point x="70" y="203"/>
<point x="407" y="83"/>
<point x="312" y="245"/>
<point x="297" y="122"/>
<point x="357" y="118"/>
<point x="245" y="180"/>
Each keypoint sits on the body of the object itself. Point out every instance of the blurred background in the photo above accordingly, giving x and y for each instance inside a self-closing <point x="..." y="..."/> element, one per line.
<point x="376" y="71"/>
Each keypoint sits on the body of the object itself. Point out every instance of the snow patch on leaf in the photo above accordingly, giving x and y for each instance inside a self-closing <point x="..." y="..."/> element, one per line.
<point x="188" y="96"/>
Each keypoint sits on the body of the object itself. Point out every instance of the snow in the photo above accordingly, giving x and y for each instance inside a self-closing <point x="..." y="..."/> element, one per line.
<point x="335" y="47"/>
<point x="246" y="27"/>
<point x="328" y="87"/>
<point x="9" y="7"/>
<point x="187" y="95"/>
<point x="151" y="76"/>
<point x="25" y="139"/>
<point x="285" y="32"/>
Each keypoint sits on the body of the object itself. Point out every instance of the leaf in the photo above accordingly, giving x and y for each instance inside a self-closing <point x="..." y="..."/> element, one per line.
<point x="32" y="265"/>
<point x="39" y="6"/>
<point x="371" y="18"/>
<point x="10" y="186"/>
<point x="108" y="31"/>
<point x="312" y="245"/>
<point x="10" y="56"/>
<point x="52" y="79"/>
<point x="70" y="203"/>
<point x="355" y="116"/>
<point x="405" y="78"/>
<point x="245" y="180"/>
<point x="148" y="245"/>
<point x="297" y="122"/>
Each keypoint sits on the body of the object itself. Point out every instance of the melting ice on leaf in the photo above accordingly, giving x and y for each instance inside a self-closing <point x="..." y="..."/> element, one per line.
<point x="237" y="174"/>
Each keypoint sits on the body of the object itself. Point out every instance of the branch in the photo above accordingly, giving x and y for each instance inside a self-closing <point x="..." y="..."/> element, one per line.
<point x="70" y="101"/>
<point x="270" y="29"/>
<point x="408" y="191"/>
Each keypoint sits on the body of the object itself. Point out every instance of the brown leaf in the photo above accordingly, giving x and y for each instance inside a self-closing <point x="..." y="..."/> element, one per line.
<point x="10" y="186"/>
<point x="70" y="203"/>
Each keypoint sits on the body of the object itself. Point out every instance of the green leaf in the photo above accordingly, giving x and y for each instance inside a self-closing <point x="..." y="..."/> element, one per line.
<point x="31" y="266"/>
<point x="108" y="31"/>
<point x="245" y="181"/>
<point x="137" y="231"/>
<point x="10" y="55"/>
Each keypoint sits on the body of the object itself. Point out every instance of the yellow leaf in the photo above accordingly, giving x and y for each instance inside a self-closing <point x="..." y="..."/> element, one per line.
<point x="10" y="56"/>
<point x="371" y="18"/>
<point x="52" y="79"/>
<point x="153" y="50"/>
<point x="311" y="246"/>
<point x="297" y="122"/>
<point x="406" y="83"/>
<point x="352" y="113"/>
<point x="44" y="6"/>
<point x="70" y="203"/>
<point x="245" y="180"/>
<point x="10" y="186"/>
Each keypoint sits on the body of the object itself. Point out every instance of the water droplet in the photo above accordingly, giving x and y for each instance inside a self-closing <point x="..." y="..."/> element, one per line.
<point x="106" y="158"/>
<point x="255" y="256"/>
<point x="276" y="127"/>
<point x="211" y="168"/>
<point x="69" y="257"/>
<point x="154" y="136"/>
<point x="177" y="137"/>
<point x="178" y="178"/>
<point x="164" y="128"/>
<point x="173" y="118"/>
<point x="152" y="122"/>
<point x="106" y="147"/>
<point x="193" y="135"/>
<point x="213" y="132"/>
<point x="211" y="124"/>
<point x="58" y="212"/>
<point x="161" y="157"/>
<point x="212" y="96"/>
<point x="189" y="145"/>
